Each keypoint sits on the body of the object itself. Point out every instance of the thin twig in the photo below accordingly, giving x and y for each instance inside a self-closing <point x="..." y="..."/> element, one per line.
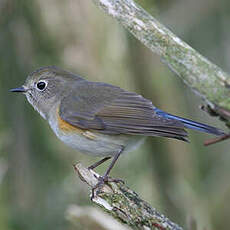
<point x="216" y="140"/>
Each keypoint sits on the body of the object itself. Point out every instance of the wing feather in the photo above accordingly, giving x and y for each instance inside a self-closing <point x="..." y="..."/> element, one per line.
<point x="111" y="110"/>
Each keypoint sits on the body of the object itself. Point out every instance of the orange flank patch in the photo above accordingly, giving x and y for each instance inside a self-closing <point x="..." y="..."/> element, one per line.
<point x="66" y="127"/>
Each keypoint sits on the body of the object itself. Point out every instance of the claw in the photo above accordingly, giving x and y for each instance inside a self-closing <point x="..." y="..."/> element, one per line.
<point x="104" y="180"/>
<point x="101" y="181"/>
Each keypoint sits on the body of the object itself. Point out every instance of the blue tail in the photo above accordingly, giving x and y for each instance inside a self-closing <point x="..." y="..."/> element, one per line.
<point x="191" y="124"/>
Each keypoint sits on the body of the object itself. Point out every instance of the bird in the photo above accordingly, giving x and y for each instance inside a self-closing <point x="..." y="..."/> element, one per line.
<point x="100" y="119"/>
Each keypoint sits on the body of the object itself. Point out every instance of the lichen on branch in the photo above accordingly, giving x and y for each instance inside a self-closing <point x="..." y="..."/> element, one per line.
<point x="124" y="204"/>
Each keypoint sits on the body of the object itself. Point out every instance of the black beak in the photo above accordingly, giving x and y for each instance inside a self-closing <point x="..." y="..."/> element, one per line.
<point x="18" y="90"/>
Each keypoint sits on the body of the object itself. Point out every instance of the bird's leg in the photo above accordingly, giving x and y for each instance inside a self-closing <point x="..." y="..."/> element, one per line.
<point x="105" y="178"/>
<point x="93" y="166"/>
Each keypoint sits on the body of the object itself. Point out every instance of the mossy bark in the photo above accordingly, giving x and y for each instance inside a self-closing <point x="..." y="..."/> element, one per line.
<point x="124" y="204"/>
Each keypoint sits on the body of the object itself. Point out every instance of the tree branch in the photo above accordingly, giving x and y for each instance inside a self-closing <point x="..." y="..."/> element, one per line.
<point x="124" y="204"/>
<point x="208" y="80"/>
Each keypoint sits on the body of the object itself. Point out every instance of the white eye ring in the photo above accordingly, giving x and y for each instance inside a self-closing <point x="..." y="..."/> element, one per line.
<point x="41" y="85"/>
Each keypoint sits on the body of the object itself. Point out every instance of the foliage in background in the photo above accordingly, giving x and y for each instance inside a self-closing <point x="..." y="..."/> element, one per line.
<point x="37" y="182"/>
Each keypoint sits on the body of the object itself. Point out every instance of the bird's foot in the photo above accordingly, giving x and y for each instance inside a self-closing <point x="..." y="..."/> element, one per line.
<point x="104" y="180"/>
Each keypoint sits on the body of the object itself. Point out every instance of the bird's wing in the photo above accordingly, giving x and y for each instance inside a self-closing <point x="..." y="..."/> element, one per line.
<point x="111" y="110"/>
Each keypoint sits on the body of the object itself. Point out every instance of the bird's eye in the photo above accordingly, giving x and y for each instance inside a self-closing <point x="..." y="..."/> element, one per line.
<point x="41" y="85"/>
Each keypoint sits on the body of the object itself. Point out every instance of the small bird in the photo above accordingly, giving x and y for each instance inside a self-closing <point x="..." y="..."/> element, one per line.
<point x="98" y="118"/>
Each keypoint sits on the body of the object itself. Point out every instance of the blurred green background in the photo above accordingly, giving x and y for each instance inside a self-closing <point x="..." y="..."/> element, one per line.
<point x="186" y="182"/>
